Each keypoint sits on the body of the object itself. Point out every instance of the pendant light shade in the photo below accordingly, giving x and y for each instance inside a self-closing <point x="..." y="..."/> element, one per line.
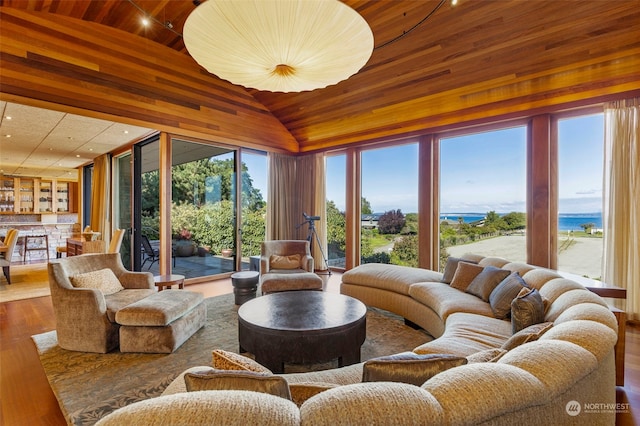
<point x="279" y="45"/>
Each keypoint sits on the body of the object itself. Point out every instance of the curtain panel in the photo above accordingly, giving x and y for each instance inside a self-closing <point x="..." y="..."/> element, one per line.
<point x="296" y="186"/>
<point x="101" y="197"/>
<point x="282" y="210"/>
<point x="621" y="208"/>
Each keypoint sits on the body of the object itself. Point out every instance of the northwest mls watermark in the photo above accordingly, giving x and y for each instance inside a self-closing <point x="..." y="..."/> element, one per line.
<point x="574" y="408"/>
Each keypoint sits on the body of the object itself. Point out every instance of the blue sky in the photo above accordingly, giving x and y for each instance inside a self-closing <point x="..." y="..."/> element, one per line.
<point x="479" y="172"/>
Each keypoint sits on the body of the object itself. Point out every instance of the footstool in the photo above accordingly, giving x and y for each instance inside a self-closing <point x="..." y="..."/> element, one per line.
<point x="274" y="282"/>
<point x="161" y="322"/>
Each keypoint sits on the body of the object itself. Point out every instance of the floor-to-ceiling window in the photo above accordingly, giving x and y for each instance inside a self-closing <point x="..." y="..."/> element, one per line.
<point x="483" y="194"/>
<point x="580" y="171"/>
<point x="254" y="203"/>
<point x="389" y="216"/>
<point x="122" y="218"/>
<point x="335" y="214"/>
<point x="203" y="211"/>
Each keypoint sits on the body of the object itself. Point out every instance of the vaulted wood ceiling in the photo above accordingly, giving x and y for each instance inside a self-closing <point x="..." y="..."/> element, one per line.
<point x="467" y="62"/>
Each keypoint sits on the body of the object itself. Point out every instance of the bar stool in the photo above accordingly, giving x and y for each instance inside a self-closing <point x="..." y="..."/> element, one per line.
<point x="60" y="250"/>
<point x="38" y="240"/>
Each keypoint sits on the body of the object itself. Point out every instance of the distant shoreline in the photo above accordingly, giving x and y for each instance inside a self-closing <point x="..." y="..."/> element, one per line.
<point x="566" y="221"/>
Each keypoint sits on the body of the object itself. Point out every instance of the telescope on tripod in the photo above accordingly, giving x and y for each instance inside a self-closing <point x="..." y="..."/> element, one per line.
<point x="311" y="232"/>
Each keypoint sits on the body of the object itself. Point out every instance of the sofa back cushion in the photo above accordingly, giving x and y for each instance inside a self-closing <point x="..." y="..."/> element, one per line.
<point x="212" y="379"/>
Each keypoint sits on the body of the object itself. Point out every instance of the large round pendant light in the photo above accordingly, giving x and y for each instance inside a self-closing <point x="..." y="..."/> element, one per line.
<point x="279" y="45"/>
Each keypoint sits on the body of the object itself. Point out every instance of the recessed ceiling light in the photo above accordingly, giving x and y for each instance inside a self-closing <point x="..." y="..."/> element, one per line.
<point x="8" y="117"/>
<point x="77" y="155"/>
<point x="90" y="149"/>
<point x="145" y="21"/>
<point x="126" y="132"/>
<point x="7" y="136"/>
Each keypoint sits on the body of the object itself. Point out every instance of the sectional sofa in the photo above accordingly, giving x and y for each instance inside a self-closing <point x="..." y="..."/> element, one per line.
<point x="562" y="372"/>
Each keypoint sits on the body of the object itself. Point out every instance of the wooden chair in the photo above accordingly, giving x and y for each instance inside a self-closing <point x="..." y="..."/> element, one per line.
<point x="116" y="241"/>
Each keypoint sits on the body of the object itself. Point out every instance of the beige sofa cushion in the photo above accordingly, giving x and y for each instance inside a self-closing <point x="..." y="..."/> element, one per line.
<point x="457" y="392"/>
<point x="571" y="298"/>
<point x="557" y="364"/>
<point x="389" y="277"/>
<point x="593" y="336"/>
<point x="121" y="299"/>
<point x="445" y="300"/>
<point x="374" y="403"/>
<point x="466" y="334"/>
<point x="232" y="408"/>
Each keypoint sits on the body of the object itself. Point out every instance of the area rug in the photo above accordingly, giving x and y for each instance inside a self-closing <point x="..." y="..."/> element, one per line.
<point x="90" y="386"/>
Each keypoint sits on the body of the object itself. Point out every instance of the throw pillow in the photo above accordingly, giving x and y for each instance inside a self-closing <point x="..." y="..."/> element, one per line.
<point x="450" y="268"/>
<point x="104" y="280"/>
<point x="408" y="367"/>
<point x="502" y="296"/>
<point x="465" y="273"/>
<point x="486" y="281"/>
<point x="300" y="392"/>
<point x="526" y="335"/>
<point x="526" y="309"/>
<point x="225" y="360"/>
<point x="488" y="355"/>
<point x="237" y="380"/>
<point x="284" y="262"/>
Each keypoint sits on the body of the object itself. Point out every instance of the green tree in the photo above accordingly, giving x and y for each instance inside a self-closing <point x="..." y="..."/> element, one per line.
<point x="410" y="224"/>
<point x="365" y="206"/>
<point x="515" y="220"/>
<point x="336" y="231"/>
<point x="405" y="251"/>
<point x="587" y="227"/>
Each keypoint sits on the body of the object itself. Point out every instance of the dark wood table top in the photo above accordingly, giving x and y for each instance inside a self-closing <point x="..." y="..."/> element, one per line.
<point x="302" y="311"/>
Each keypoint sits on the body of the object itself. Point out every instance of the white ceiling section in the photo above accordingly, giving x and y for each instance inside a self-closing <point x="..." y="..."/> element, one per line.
<point x="37" y="142"/>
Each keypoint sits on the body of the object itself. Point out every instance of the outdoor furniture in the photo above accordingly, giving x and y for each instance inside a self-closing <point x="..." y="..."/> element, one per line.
<point x="151" y="254"/>
<point x="302" y="327"/>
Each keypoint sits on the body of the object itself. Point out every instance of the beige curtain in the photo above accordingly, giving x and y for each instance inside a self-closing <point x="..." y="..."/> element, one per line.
<point x="282" y="211"/>
<point x="621" y="209"/>
<point x="310" y="186"/>
<point x="101" y="197"/>
<point x="296" y="186"/>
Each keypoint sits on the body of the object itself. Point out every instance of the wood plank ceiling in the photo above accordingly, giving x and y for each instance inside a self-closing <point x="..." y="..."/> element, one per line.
<point x="467" y="62"/>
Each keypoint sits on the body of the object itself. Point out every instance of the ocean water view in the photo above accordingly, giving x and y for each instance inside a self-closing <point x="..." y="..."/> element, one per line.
<point x="566" y="221"/>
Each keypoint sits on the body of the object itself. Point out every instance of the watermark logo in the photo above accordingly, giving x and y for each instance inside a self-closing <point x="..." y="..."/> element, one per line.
<point x="573" y="408"/>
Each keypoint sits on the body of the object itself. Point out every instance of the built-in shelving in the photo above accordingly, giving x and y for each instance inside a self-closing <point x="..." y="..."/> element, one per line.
<point x="20" y="195"/>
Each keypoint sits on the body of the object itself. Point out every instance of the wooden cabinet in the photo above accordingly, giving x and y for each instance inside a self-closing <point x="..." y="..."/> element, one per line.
<point x="34" y="195"/>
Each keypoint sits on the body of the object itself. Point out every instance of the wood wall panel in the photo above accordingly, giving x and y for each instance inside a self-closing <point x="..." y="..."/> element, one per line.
<point x="111" y="74"/>
<point x="479" y="61"/>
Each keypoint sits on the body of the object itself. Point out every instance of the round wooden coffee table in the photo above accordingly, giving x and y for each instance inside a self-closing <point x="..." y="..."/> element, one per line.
<point x="302" y="327"/>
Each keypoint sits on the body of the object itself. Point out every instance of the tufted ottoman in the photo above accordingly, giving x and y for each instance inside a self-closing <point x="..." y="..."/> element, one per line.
<point x="161" y="322"/>
<point x="274" y="282"/>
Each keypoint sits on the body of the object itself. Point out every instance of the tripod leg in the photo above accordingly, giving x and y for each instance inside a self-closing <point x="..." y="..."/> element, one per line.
<point x="326" y="261"/>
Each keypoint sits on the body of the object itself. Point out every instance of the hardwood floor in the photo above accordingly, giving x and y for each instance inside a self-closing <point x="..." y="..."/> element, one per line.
<point x="26" y="398"/>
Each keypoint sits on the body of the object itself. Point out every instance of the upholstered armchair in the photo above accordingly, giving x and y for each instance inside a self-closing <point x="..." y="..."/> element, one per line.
<point x="285" y="257"/>
<point x="86" y="292"/>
